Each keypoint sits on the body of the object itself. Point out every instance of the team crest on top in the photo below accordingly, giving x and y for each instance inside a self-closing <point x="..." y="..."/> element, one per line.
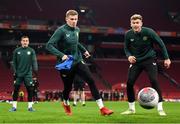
<point x="28" y="52"/>
<point x="131" y="40"/>
<point x="145" y="38"/>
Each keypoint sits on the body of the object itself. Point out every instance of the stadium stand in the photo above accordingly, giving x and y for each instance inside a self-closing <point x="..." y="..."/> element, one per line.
<point x="153" y="11"/>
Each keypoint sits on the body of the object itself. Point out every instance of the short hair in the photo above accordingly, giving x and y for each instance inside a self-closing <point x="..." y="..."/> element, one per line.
<point x="71" y="12"/>
<point x="136" y="16"/>
<point x="24" y="36"/>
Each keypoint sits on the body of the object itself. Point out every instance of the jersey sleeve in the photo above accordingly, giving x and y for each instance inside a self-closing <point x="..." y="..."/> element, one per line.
<point x="51" y="45"/>
<point x="34" y="61"/>
<point x="126" y="45"/>
<point x="160" y="43"/>
<point x="14" y="61"/>
<point x="81" y="47"/>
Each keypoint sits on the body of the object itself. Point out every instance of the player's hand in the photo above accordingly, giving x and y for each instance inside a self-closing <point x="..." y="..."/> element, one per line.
<point x="86" y="54"/>
<point x="64" y="57"/>
<point x="167" y="63"/>
<point x="132" y="59"/>
<point x="35" y="78"/>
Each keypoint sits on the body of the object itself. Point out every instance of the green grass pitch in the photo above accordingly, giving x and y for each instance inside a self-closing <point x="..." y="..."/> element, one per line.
<point x="52" y="112"/>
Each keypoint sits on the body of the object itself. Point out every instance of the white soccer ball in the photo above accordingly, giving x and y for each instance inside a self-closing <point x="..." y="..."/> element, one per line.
<point x="148" y="98"/>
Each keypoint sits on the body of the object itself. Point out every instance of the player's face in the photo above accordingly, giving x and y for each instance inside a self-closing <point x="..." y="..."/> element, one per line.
<point x="72" y="20"/>
<point x="25" y="42"/>
<point x="136" y="25"/>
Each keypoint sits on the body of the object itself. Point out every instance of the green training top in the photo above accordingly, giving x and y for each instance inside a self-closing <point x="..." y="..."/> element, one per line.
<point x="65" y="41"/>
<point x="140" y="44"/>
<point x="24" y="61"/>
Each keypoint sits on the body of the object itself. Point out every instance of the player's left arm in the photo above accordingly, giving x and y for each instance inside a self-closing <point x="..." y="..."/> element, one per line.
<point x="161" y="44"/>
<point x="14" y="62"/>
<point x="81" y="47"/>
<point x="83" y="50"/>
<point x="34" y="63"/>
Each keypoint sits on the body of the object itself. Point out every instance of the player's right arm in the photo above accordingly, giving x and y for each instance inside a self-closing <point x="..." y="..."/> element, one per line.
<point x="52" y="44"/>
<point x="14" y="62"/>
<point x="34" y="63"/>
<point x="126" y="45"/>
<point x="131" y="58"/>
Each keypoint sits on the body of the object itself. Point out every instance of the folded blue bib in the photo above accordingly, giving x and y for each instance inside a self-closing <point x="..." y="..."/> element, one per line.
<point x="67" y="64"/>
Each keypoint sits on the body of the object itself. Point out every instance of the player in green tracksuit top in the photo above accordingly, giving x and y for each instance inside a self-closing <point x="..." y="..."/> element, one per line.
<point x="24" y="64"/>
<point x="141" y="55"/>
<point x="64" y="42"/>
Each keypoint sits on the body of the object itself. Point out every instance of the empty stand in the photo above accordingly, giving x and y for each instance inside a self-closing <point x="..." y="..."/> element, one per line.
<point x="112" y="70"/>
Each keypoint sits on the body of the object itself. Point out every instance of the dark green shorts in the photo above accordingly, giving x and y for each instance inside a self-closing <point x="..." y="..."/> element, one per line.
<point x="27" y="81"/>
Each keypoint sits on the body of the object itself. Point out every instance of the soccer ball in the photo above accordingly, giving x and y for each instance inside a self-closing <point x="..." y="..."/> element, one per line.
<point x="148" y="98"/>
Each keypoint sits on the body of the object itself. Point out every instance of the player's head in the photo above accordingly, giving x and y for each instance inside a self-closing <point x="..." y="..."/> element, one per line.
<point x="72" y="18"/>
<point x="24" y="41"/>
<point x="136" y="22"/>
